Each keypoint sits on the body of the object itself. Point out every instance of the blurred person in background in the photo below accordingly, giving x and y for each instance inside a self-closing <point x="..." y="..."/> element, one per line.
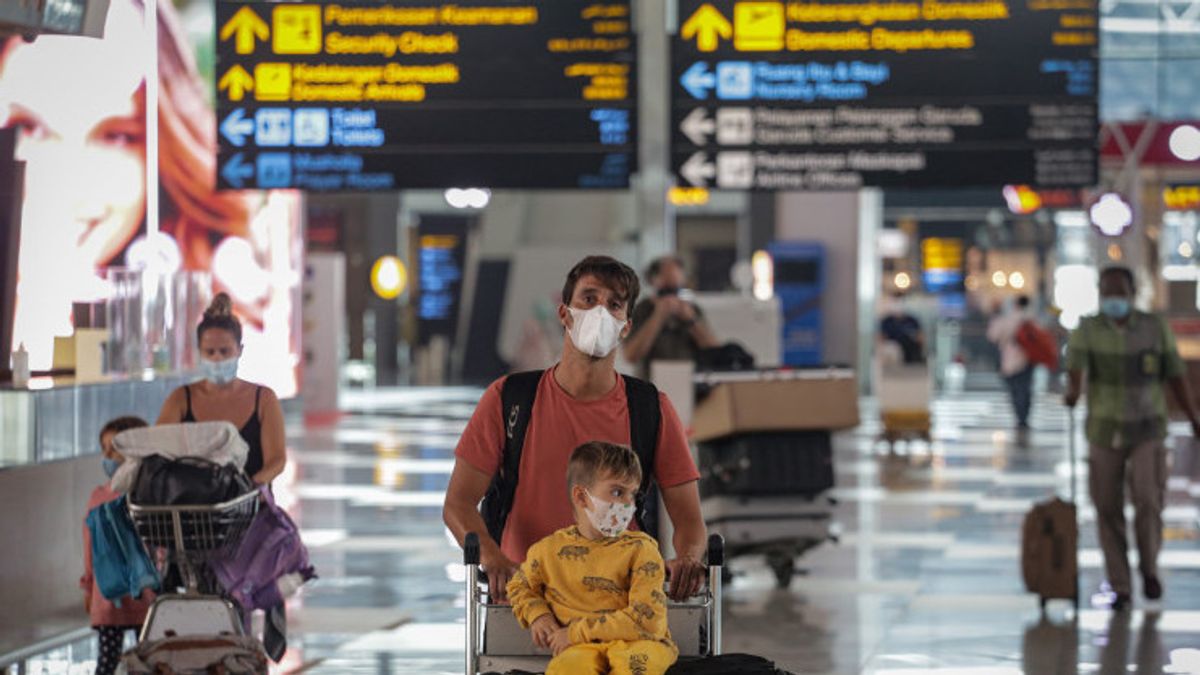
<point x="1015" y="366"/>
<point x="667" y="326"/>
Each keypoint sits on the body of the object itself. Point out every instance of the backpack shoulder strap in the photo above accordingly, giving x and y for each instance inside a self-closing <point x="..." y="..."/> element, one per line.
<point x="517" y="396"/>
<point x="645" y="419"/>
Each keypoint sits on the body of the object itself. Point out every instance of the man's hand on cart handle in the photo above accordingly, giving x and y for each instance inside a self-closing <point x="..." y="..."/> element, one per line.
<point x="499" y="570"/>
<point x="686" y="576"/>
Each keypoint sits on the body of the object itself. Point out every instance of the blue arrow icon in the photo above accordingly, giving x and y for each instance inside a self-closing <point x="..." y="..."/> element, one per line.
<point x="235" y="171"/>
<point x="698" y="81"/>
<point x="237" y="127"/>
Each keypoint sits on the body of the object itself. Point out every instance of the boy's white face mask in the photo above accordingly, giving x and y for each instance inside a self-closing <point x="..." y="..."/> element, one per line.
<point x="595" y="331"/>
<point x="610" y="518"/>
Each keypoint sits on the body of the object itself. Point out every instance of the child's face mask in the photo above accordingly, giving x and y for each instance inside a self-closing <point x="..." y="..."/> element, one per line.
<point x="610" y="518"/>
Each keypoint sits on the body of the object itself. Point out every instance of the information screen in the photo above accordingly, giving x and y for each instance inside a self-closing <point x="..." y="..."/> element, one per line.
<point x="412" y="94"/>
<point x="841" y="94"/>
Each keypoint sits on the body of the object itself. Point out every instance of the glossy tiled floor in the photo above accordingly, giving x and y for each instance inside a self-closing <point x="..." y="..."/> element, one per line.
<point x="924" y="579"/>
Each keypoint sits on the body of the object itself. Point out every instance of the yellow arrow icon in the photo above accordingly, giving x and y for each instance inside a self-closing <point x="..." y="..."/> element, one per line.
<point x="246" y="25"/>
<point x="237" y="81"/>
<point x="707" y="25"/>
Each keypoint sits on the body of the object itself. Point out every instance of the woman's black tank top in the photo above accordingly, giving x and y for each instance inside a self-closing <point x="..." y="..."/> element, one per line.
<point x="251" y="432"/>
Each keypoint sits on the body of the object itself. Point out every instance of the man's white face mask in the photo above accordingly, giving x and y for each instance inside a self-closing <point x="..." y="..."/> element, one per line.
<point x="595" y="331"/>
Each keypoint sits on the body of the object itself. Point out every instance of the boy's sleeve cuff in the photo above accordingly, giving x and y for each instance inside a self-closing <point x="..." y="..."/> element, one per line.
<point x="532" y="614"/>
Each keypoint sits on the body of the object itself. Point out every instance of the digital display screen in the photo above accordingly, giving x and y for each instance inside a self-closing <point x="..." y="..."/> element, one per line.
<point x="441" y="260"/>
<point x="78" y="109"/>
<point x="420" y="94"/>
<point x="842" y="94"/>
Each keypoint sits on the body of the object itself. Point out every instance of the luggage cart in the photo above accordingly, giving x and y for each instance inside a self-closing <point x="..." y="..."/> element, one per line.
<point x="495" y="642"/>
<point x="185" y="537"/>
<point x="905" y="394"/>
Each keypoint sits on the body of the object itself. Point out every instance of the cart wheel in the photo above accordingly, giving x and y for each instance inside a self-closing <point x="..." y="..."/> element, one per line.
<point x="784" y="567"/>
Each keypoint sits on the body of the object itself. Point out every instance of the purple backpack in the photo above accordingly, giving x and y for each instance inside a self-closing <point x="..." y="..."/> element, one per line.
<point x="270" y="549"/>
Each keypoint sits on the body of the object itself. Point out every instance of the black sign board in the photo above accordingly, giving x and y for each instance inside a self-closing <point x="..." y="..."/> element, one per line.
<point x="841" y="94"/>
<point x="425" y="94"/>
<point x="441" y="261"/>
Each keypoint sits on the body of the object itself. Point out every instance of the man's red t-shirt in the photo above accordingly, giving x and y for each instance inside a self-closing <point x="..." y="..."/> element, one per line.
<point x="560" y="424"/>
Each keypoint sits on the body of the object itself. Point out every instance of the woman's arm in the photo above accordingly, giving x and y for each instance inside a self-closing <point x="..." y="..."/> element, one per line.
<point x="274" y="439"/>
<point x="172" y="408"/>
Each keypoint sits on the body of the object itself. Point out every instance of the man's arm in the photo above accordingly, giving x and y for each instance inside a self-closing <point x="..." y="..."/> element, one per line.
<point x="690" y="540"/>
<point x="1176" y="374"/>
<point x="460" y="512"/>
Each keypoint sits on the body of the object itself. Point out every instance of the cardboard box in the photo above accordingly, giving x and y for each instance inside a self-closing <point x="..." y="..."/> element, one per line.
<point x="793" y="404"/>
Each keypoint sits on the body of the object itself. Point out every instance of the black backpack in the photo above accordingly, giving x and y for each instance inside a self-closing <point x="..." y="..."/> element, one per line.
<point x="517" y="396"/>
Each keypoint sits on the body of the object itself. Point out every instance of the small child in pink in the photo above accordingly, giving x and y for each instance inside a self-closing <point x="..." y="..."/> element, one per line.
<point x="109" y="621"/>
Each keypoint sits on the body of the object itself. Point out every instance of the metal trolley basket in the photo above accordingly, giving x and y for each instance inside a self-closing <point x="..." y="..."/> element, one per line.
<point x="495" y="642"/>
<point x="185" y="537"/>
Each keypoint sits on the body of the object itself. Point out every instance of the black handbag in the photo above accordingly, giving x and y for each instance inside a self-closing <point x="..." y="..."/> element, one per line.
<point x="187" y="481"/>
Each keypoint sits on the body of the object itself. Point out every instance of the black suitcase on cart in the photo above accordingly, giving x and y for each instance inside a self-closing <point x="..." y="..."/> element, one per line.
<point x="772" y="463"/>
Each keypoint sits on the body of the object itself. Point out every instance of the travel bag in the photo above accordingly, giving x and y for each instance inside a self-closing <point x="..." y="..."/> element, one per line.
<point x="773" y="463"/>
<point x="1050" y="541"/>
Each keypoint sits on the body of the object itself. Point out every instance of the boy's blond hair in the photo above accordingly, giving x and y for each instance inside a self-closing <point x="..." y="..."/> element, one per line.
<point x="595" y="459"/>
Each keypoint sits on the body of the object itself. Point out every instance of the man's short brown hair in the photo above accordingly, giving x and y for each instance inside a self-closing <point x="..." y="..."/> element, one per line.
<point x="595" y="459"/>
<point x="613" y="273"/>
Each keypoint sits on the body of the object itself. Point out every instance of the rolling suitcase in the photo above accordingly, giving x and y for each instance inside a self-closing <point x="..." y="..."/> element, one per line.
<point x="1050" y="541"/>
<point x="773" y="463"/>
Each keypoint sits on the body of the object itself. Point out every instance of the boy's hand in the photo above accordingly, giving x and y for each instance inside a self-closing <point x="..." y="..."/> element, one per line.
<point x="542" y="628"/>
<point x="560" y="640"/>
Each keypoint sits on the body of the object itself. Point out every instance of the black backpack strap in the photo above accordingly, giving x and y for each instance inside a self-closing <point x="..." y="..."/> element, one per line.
<point x="517" y="395"/>
<point x="645" y="418"/>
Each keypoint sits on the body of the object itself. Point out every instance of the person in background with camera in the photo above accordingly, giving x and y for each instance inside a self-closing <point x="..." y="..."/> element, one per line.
<point x="666" y="326"/>
<point x="222" y="397"/>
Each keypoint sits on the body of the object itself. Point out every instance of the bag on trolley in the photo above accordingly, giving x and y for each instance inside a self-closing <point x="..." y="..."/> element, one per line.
<point x="270" y="551"/>
<point x="119" y="561"/>
<point x="193" y="655"/>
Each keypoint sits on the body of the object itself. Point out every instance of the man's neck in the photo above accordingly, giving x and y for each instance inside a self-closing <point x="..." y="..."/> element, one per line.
<point x="583" y="377"/>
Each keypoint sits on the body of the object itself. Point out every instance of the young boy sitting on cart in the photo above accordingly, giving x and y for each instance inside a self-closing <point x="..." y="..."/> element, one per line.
<point x="592" y="593"/>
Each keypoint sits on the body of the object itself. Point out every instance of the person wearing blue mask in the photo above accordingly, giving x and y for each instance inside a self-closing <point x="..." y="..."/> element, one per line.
<point x="1128" y="356"/>
<point x="110" y="621"/>
<point x="223" y="397"/>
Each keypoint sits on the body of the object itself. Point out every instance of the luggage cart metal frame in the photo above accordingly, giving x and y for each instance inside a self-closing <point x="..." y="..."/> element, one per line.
<point x="477" y="605"/>
<point x="188" y="535"/>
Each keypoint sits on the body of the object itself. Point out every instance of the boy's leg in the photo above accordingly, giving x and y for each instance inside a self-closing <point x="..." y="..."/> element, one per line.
<point x="642" y="657"/>
<point x="584" y="659"/>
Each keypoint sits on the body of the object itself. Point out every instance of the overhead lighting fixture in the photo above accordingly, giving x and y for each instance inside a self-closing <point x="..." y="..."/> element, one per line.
<point x="388" y="277"/>
<point x="1185" y="142"/>
<point x="1111" y="214"/>
<point x="999" y="279"/>
<point x="1016" y="280"/>
<point x="468" y="198"/>
<point x="1071" y="219"/>
<point x="903" y="281"/>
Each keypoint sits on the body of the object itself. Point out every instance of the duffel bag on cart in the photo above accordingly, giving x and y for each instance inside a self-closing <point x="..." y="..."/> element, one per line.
<point x="196" y="655"/>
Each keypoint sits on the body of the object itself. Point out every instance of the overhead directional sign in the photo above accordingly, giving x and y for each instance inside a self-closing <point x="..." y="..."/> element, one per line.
<point x="841" y="94"/>
<point x="426" y="94"/>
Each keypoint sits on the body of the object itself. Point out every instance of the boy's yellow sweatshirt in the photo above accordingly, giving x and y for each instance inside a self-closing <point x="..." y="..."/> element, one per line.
<point x="603" y="590"/>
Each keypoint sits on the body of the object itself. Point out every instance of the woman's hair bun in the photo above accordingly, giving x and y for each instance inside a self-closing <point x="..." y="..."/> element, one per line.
<point x="221" y="305"/>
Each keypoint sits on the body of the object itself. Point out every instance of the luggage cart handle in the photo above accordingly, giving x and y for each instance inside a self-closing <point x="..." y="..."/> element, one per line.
<point x="471" y="564"/>
<point x="716" y="560"/>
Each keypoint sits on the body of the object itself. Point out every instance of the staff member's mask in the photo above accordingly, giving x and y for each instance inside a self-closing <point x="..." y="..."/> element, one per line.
<point x="595" y="331"/>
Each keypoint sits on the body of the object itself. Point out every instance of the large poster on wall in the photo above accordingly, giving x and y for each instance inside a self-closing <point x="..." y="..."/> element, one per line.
<point x="79" y="105"/>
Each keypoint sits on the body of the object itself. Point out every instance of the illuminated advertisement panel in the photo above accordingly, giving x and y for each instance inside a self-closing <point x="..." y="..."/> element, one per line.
<point x="842" y="94"/>
<point x="79" y="105"/>
<point x="420" y="94"/>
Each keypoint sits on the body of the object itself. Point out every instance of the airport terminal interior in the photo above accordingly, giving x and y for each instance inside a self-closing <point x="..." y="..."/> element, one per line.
<point x="315" y="317"/>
